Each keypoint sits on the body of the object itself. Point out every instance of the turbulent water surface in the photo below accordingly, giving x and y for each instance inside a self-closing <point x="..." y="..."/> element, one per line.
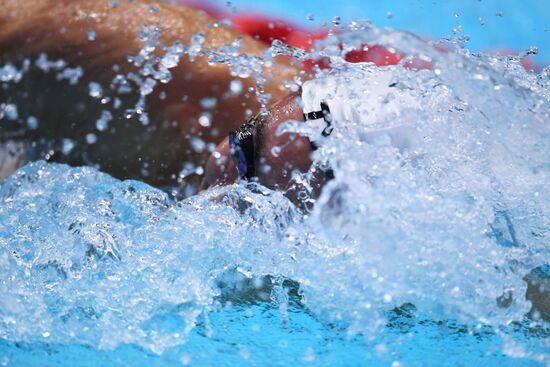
<point x="415" y="254"/>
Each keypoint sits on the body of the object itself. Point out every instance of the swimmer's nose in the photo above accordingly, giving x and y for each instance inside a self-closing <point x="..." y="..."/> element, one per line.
<point x="220" y="169"/>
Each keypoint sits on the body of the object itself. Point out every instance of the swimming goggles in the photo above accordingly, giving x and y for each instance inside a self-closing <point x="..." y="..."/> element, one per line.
<point x="241" y="142"/>
<point x="242" y="148"/>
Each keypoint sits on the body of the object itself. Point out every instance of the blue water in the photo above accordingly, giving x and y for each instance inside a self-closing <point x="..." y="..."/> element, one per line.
<point x="400" y="263"/>
<point x="518" y="25"/>
<point x="254" y="334"/>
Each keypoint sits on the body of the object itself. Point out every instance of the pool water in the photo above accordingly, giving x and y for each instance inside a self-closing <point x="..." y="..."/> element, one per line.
<point x="413" y="255"/>
<point x="490" y="24"/>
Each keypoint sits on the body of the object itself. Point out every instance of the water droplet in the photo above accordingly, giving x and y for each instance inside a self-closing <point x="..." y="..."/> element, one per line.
<point x="71" y="74"/>
<point x="196" y="43"/>
<point x="310" y="17"/>
<point x="275" y="151"/>
<point x="10" y="73"/>
<point x="533" y="50"/>
<point x="32" y="122"/>
<point x="336" y="20"/>
<point x="499" y="13"/>
<point x="95" y="90"/>
<point x="91" y="35"/>
<point x="46" y="65"/>
<point x="236" y="87"/>
<point x="144" y="119"/>
<point x="9" y="110"/>
<point x="265" y="168"/>
<point x="204" y="121"/>
<point x="209" y="102"/>
<point x="67" y="146"/>
<point x="389" y="15"/>
<point x="154" y="9"/>
<point x="198" y="144"/>
<point x="173" y="55"/>
<point x="147" y="86"/>
<point x="103" y="122"/>
<point x="91" y="138"/>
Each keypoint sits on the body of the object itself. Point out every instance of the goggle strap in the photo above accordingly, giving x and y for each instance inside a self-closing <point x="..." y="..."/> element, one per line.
<point x="325" y="115"/>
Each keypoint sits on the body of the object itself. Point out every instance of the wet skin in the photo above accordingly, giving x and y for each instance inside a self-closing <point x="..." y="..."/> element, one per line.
<point x="154" y="153"/>
<point x="278" y="155"/>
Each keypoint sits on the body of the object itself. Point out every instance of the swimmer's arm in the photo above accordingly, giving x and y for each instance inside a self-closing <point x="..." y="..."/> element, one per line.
<point x="60" y="29"/>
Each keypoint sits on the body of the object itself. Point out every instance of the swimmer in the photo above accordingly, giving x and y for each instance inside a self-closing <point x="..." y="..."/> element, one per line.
<point x="92" y="35"/>
<point x="188" y="115"/>
<point x="259" y="152"/>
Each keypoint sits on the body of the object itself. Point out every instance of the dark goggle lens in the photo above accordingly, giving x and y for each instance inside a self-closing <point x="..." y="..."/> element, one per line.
<point x="241" y="149"/>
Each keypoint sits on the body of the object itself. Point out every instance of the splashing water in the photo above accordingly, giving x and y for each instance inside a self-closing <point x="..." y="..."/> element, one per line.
<point x="411" y="250"/>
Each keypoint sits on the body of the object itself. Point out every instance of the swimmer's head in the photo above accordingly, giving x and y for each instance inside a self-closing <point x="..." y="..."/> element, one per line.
<point x="275" y="156"/>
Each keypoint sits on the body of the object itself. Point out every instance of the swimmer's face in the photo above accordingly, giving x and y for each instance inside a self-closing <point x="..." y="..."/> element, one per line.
<point x="278" y="155"/>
